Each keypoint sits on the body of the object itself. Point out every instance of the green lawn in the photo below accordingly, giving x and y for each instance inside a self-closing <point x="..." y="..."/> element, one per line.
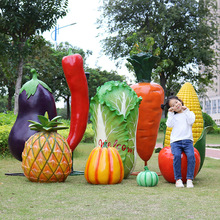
<point x="210" y="138"/>
<point x="213" y="139"/>
<point x="76" y="199"/>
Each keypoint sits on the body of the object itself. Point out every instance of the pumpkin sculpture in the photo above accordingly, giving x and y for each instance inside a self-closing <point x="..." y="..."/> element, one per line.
<point x="47" y="156"/>
<point x="104" y="166"/>
<point x="147" y="178"/>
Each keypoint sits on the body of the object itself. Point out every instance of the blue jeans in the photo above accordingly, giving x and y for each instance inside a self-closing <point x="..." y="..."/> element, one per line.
<point x="177" y="148"/>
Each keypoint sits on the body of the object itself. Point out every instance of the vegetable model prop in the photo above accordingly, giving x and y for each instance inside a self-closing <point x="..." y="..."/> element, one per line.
<point x="46" y="156"/>
<point x="104" y="166"/>
<point x="35" y="99"/>
<point x="147" y="178"/>
<point x="165" y="159"/>
<point x="190" y="99"/>
<point x="150" y="111"/>
<point x="114" y="115"/>
<point x="76" y="80"/>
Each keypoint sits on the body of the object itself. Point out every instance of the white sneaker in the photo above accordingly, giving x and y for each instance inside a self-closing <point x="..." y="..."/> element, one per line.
<point x="189" y="184"/>
<point x="179" y="183"/>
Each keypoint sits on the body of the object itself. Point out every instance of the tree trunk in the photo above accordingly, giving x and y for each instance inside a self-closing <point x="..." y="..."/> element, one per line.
<point x="10" y="96"/>
<point x="163" y="82"/>
<point x="18" y="84"/>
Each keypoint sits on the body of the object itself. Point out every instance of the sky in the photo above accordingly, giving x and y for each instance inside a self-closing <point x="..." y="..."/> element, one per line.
<point x="84" y="34"/>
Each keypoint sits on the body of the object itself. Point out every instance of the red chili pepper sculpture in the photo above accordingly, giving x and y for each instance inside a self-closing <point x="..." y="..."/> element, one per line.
<point x="77" y="82"/>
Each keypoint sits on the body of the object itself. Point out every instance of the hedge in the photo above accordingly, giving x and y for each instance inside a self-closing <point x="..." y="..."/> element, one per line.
<point x="7" y="120"/>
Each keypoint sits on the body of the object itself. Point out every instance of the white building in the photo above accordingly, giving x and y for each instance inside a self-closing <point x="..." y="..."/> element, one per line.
<point x="211" y="104"/>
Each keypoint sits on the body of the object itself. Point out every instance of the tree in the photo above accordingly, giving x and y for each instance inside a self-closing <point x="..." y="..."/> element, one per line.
<point x="98" y="77"/>
<point x="7" y="72"/>
<point x="184" y="30"/>
<point x="48" y="63"/>
<point x="22" y="19"/>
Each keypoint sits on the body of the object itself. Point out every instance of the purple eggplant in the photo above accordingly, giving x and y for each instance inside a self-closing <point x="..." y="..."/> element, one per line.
<point x="35" y="99"/>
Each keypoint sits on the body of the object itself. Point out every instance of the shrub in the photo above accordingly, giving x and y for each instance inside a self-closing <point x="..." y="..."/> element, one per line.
<point x="208" y="121"/>
<point x="7" y="118"/>
<point x="7" y="121"/>
<point x="88" y="136"/>
<point x="62" y="112"/>
<point x="163" y="124"/>
<point x="216" y="130"/>
<point x="4" y="134"/>
<point x="64" y="132"/>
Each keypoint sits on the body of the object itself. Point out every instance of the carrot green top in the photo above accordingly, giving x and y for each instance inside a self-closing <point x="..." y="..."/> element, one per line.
<point x="143" y="64"/>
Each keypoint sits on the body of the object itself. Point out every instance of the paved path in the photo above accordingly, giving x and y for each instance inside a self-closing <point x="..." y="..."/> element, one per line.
<point x="210" y="152"/>
<point x="213" y="153"/>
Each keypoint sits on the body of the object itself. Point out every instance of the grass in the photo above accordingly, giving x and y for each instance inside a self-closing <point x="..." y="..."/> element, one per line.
<point x="76" y="199"/>
<point x="210" y="138"/>
<point x="213" y="139"/>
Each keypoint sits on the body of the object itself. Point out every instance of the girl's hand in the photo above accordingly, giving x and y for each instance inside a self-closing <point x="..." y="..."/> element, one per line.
<point x="171" y="109"/>
<point x="184" y="108"/>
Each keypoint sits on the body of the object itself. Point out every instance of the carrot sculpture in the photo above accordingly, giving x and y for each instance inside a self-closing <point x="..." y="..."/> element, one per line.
<point x="150" y="111"/>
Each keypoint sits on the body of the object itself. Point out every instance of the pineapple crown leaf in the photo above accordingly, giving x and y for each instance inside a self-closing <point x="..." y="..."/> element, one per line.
<point x="46" y="124"/>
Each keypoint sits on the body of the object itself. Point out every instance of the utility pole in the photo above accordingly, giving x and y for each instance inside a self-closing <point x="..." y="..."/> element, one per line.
<point x="56" y="32"/>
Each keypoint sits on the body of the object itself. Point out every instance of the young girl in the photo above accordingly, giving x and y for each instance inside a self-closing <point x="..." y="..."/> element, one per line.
<point x="181" y="119"/>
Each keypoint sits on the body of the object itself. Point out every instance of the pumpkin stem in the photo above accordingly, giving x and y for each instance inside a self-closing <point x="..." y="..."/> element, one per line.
<point x="105" y="144"/>
<point x="146" y="168"/>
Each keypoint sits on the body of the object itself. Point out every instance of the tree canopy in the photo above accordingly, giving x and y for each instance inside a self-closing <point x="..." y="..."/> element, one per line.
<point x="20" y="20"/>
<point x="183" y="30"/>
<point x="47" y="61"/>
<point x="98" y="77"/>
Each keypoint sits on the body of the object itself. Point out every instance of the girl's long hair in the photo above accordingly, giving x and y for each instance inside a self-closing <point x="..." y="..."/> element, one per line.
<point x="167" y="103"/>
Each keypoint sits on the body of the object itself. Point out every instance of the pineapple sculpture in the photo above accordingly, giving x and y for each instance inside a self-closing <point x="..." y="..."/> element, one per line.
<point x="47" y="156"/>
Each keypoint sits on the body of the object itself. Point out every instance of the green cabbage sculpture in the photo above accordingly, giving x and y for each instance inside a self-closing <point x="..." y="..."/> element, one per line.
<point x="114" y="115"/>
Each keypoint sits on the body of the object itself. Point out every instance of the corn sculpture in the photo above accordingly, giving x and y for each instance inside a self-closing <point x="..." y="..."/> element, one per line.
<point x="190" y="99"/>
<point x="47" y="156"/>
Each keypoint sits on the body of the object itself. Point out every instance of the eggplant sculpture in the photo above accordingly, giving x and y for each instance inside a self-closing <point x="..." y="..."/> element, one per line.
<point x="35" y="99"/>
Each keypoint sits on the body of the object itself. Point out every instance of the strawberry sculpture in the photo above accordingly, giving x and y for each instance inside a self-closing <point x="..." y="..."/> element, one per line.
<point x="47" y="156"/>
